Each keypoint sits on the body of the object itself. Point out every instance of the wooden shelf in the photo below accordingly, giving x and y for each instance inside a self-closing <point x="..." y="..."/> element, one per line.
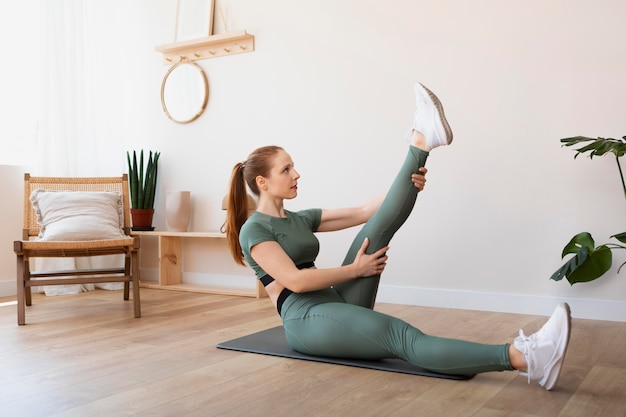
<point x="229" y="43"/>
<point x="170" y="265"/>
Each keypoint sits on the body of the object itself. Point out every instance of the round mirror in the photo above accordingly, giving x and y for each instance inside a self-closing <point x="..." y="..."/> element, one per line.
<point x="184" y="92"/>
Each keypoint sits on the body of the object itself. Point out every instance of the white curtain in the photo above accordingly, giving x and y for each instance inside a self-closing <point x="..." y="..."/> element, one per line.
<point x="66" y="133"/>
<point x="67" y="141"/>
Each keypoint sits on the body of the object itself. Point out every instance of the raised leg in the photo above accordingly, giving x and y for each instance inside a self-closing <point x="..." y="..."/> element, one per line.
<point x="381" y="227"/>
<point x="430" y="129"/>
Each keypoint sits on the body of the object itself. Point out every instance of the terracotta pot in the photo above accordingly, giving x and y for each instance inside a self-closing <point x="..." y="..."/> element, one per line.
<point x="142" y="219"/>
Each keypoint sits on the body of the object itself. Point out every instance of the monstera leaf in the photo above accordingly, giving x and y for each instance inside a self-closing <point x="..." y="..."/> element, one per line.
<point x="588" y="262"/>
<point x="597" y="146"/>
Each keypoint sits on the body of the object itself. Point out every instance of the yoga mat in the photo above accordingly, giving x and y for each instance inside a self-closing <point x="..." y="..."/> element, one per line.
<point x="273" y="342"/>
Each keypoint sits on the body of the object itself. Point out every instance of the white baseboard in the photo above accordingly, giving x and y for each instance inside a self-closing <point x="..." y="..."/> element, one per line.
<point x="235" y="282"/>
<point x="583" y="308"/>
<point x="610" y="310"/>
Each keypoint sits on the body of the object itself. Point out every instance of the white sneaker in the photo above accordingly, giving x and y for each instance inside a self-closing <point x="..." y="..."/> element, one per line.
<point x="429" y="118"/>
<point x="544" y="351"/>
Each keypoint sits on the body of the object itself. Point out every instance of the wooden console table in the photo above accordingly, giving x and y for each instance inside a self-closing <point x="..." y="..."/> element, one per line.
<point x="170" y="265"/>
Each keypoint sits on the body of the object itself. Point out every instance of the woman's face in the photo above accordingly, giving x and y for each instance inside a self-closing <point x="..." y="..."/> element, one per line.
<point x="282" y="181"/>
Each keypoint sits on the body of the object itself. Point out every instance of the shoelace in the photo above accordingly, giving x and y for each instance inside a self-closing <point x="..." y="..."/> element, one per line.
<point x="529" y="343"/>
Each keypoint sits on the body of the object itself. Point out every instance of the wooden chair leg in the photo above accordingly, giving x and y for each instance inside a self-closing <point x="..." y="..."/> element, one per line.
<point x="21" y="309"/>
<point x="28" y="296"/>
<point x="135" y="272"/>
<point x="127" y="272"/>
<point x="26" y="275"/>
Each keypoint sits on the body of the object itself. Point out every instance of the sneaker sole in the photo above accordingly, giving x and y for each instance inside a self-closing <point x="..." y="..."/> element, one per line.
<point x="439" y="106"/>
<point x="551" y="384"/>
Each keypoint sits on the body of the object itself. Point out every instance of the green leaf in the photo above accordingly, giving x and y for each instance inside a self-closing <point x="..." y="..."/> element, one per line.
<point x="134" y="181"/>
<point x="588" y="263"/>
<point x="575" y="140"/>
<point x="585" y="266"/>
<point x="596" y="265"/>
<point x="150" y="182"/>
<point x="620" y="236"/>
<point x="571" y="265"/>
<point x="579" y="241"/>
<point x="142" y="186"/>
<point x="597" y="146"/>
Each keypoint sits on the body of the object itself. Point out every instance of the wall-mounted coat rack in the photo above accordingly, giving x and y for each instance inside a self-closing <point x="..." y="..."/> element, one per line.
<point x="208" y="47"/>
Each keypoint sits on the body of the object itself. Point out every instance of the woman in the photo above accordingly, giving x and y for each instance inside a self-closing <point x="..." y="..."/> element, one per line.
<point x="329" y="311"/>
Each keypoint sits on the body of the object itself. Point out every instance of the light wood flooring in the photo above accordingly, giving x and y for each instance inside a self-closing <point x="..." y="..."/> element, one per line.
<point x="86" y="355"/>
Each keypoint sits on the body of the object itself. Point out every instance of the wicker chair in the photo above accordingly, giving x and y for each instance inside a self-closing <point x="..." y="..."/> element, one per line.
<point x="27" y="248"/>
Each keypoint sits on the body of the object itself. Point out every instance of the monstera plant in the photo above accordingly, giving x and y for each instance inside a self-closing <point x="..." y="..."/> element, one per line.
<point x="590" y="262"/>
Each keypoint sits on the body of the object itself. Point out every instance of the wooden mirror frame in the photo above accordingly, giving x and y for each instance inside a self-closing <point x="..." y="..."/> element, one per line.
<point x="205" y="98"/>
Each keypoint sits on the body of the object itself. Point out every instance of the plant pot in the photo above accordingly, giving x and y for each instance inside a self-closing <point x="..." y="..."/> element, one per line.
<point x="142" y="219"/>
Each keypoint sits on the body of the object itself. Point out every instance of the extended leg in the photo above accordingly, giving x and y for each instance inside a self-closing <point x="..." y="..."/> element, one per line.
<point x="319" y="323"/>
<point x="342" y="330"/>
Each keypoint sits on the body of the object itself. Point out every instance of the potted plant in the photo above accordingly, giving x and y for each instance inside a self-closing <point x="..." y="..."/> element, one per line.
<point x="142" y="189"/>
<point x="590" y="262"/>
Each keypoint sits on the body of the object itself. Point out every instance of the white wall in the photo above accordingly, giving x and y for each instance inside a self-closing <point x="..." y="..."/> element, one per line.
<point x="332" y="83"/>
<point x="18" y="103"/>
<point x="11" y="186"/>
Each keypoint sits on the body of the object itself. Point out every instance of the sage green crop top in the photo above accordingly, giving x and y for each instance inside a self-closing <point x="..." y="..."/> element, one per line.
<point x="295" y="234"/>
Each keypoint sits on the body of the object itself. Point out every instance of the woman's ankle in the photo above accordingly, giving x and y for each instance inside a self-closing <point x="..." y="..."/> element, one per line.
<point x="418" y="140"/>
<point x="517" y="359"/>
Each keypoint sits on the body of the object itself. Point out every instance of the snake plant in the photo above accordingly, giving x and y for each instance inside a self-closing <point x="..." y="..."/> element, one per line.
<point x="142" y="185"/>
<point x="588" y="261"/>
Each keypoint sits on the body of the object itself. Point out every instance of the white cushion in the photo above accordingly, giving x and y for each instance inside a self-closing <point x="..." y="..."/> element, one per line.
<point x="78" y="215"/>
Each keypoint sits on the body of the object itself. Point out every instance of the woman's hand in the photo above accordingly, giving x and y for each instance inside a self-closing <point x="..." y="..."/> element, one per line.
<point x="369" y="265"/>
<point x="419" y="180"/>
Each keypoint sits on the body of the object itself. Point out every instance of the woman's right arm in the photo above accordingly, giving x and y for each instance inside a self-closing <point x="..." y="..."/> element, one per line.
<point x="273" y="260"/>
<point x="343" y="218"/>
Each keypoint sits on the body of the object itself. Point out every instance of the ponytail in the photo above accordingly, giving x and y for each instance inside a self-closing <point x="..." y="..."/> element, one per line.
<point x="236" y="212"/>
<point x="259" y="162"/>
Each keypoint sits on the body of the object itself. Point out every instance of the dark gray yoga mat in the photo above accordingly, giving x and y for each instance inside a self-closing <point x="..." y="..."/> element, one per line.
<point x="273" y="342"/>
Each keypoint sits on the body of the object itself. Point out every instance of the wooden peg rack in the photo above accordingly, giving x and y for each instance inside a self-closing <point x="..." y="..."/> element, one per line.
<point x="229" y="43"/>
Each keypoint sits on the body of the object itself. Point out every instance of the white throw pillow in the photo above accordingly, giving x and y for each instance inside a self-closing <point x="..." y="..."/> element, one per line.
<point x="78" y="215"/>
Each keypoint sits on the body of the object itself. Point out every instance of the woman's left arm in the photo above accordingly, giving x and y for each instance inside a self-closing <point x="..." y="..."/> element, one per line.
<point x="343" y="218"/>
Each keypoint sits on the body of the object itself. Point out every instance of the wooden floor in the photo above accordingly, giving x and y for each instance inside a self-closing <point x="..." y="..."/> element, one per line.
<point x="86" y="355"/>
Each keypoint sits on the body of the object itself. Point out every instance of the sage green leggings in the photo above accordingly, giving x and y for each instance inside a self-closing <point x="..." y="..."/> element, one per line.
<point x="340" y="322"/>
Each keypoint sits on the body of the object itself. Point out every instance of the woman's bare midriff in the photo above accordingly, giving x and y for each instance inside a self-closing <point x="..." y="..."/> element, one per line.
<point x="273" y="290"/>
